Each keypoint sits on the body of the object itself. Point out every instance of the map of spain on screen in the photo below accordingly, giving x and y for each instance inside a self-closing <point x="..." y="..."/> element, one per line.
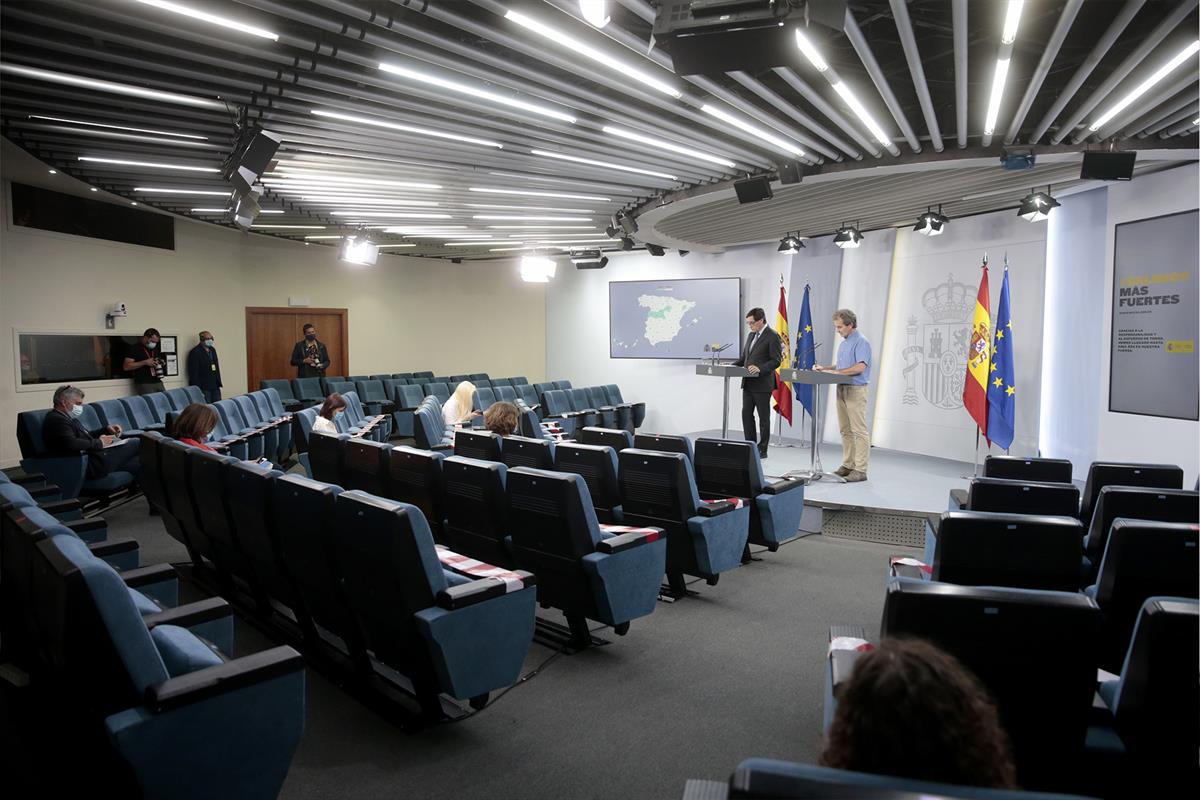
<point x="674" y="318"/>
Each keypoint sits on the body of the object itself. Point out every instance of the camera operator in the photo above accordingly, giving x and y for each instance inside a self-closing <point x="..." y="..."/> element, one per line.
<point x="146" y="371"/>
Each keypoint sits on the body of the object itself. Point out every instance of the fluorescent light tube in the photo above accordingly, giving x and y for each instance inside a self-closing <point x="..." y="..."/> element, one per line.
<point x="860" y="111"/>
<point x="543" y="227"/>
<point x="396" y="126"/>
<point x="161" y="190"/>
<point x="391" y="214"/>
<point x="211" y="210"/>
<point x="119" y="127"/>
<point x="1012" y="19"/>
<point x="606" y="164"/>
<point x="594" y="12"/>
<point x="529" y="193"/>
<point x="204" y="16"/>
<point x="381" y="246"/>
<point x="325" y="236"/>
<point x="530" y="208"/>
<point x="79" y="81"/>
<point x="810" y="51"/>
<point x="1146" y="85"/>
<point x="149" y="164"/>
<point x="328" y="177"/>
<point x="665" y="145"/>
<point x="293" y="227"/>
<point x="753" y="130"/>
<point x="587" y="51"/>
<point x="518" y="218"/>
<point x="993" y="109"/>
<point x="473" y="91"/>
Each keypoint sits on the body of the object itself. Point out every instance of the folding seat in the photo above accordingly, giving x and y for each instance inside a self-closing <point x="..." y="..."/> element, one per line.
<point x="1017" y="497"/>
<point x="175" y="467"/>
<point x="476" y="510"/>
<point x="437" y="389"/>
<point x="1154" y="699"/>
<point x="194" y="394"/>
<point x="1016" y="468"/>
<point x="542" y="388"/>
<point x="193" y="722"/>
<point x="983" y="548"/>
<point x="524" y="451"/>
<point x="483" y="399"/>
<point x="422" y="374"/>
<point x="308" y="391"/>
<point x="733" y="469"/>
<point x="580" y="404"/>
<point x="429" y="429"/>
<point x="271" y="409"/>
<point x="457" y="379"/>
<point x="326" y="457"/>
<point x="564" y="385"/>
<point x="259" y="441"/>
<point x="365" y="466"/>
<point x="499" y="382"/>
<point x="151" y="479"/>
<point x="179" y="399"/>
<point x="1135" y="502"/>
<point x="598" y="399"/>
<point x="357" y="378"/>
<point x="407" y="400"/>
<point x="665" y="443"/>
<point x="160" y="405"/>
<point x="273" y="433"/>
<point x="1141" y="560"/>
<point x="519" y="380"/>
<point x="210" y="504"/>
<point x="283" y="388"/>
<point x="1034" y="651"/>
<point x="241" y="446"/>
<point x="415" y="477"/>
<point x="1101" y="474"/>
<point x="374" y="396"/>
<point x="505" y="394"/>
<point x="140" y="415"/>
<point x="582" y="570"/>
<point x="327" y="383"/>
<point x="446" y="379"/>
<point x="597" y="465"/>
<point x="341" y="386"/>
<point x="444" y="631"/>
<point x="637" y="411"/>
<point x="66" y="472"/>
<point x="113" y="412"/>
<point x="483" y="445"/>
<point x="529" y="396"/>
<point x="556" y="405"/>
<point x="615" y="438"/>
<point x="305" y="520"/>
<point x="376" y="426"/>
<point x="479" y="376"/>
<point x="704" y="539"/>
<point x="405" y="375"/>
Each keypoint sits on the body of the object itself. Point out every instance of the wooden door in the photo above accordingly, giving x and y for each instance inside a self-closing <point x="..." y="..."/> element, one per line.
<point x="271" y="333"/>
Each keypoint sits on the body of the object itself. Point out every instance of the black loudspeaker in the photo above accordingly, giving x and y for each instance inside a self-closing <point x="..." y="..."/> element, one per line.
<point x="751" y="190"/>
<point x="790" y="172"/>
<point x="1107" y="166"/>
<point x="830" y="13"/>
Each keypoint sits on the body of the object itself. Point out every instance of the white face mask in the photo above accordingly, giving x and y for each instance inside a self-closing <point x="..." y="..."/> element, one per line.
<point x="151" y="345"/>
<point x="77" y="410"/>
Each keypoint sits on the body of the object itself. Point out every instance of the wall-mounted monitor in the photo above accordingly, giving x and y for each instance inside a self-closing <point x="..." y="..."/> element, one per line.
<point x="673" y="318"/>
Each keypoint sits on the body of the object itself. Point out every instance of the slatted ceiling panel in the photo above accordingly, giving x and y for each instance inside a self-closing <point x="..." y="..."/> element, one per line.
<point x="326" y="56"/>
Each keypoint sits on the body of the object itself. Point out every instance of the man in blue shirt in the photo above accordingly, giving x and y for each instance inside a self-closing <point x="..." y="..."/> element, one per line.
<point x="853" y="358"/>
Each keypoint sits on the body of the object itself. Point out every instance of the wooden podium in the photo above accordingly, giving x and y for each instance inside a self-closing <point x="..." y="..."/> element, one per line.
<point x="814" y="378"/>
<point x="725" y="371"/>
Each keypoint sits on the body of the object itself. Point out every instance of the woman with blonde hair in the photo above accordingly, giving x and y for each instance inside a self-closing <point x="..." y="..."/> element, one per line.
<point x="458" y="409"/>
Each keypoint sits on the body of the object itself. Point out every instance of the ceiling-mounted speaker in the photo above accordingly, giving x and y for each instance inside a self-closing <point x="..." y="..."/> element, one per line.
<point x="752" y="190"/>
<point x="790" y="172"/>
<point x="830" y="13"/>
<point x="1107" y="166"/>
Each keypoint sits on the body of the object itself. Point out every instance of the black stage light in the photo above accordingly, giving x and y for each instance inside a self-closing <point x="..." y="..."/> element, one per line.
<point x="931" y="223"/>
<point x="790" y="244"/>
<point x="847" y="237"/>
<point x="1037" y="206"/>
<point x="588" y="259"/>
<point x="655" y="249"/>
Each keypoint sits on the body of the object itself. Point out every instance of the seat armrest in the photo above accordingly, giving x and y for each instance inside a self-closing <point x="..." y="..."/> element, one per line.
<point x="906" y="567"/>
<point x="223" y="678"/>
<point x="779" y="487"/>
<point x="191" y="614"/>
<point x="715" y="509"/>
<point x="442" y="448"/>
<point x="844" y="641"/>
<point x="56" y="507"/>
<point x="477" y="591"/>
<point x="147" y="576"/>
<point x="114" y="547"/>
<point x="959" y="497"/>
<point x="81" y="526"/>
<point x="29" y="479"/>
<point x="626" y="541"/>
<point x="42" y="494"/>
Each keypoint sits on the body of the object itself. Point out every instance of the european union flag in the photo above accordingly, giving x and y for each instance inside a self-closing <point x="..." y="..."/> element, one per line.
<point x="1001" y="393"/>
<point x="806" y="356"/>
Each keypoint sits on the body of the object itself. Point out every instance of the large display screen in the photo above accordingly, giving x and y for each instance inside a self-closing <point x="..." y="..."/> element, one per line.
<point x="673" y="318"/>
<point x="1155" y="369"/>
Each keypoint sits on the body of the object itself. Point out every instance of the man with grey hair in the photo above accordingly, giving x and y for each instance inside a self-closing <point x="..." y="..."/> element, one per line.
<point x="64" y="435"/>
<point x="853" y="358"/>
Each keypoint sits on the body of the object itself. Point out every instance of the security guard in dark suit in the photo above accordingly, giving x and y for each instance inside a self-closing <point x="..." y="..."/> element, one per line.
<point x="761" y="355"/>
<point x="204" y="369"/>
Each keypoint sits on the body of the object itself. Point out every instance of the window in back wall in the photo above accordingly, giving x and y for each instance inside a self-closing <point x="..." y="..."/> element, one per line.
<point x="33" y="207"/>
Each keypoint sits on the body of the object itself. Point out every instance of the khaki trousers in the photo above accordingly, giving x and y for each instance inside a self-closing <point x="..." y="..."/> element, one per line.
<point x="852" y="421"/>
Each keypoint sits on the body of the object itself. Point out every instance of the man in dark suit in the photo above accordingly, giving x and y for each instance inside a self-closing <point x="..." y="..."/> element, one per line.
<point x="64" y="435"/>
<point x="203" y="368"/>
<point x="760" y="356"/>
<point x="309" y="356"/>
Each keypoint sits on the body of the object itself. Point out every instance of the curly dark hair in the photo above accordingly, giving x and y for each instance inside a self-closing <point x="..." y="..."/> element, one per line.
<point x="911" y="710"/>
<point x="502" y="418"/>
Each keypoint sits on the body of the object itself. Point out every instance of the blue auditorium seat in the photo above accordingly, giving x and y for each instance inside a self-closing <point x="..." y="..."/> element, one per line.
<point x="616" y="438"/>
<point x="258" y="441"/>
<point x="66" y="472"/>
<point x="583" y="571"/>
<point x="377" y="426"/>
<point x="505" y="393"/>
<point x="1104" y="473"/>
<point x="160" y="405"/>
<point x="140" y="415"/>
<point x="283" y="389"/>
<point x="665" y="443"/>
<point x="446" y="633"/>
<point x="1017" y="497"/>
<point x="1134" y="502"/>
<point x="636" y="411"/>
<point x="273" y="432"/>
<point x="437" y="389"/>
<point x="429" y="429"/>
<point x="457" y="379"/>
<point x="422" y="374"/>
<point x="175" y="468"/>
<point x="271" y="410"/>
<point x="327" y="383"/>
<point x="501" y="382"/>
<point x="326" y="456"/>
<point x="357" y="378"/>
<point x="375" y="396"/>
<point x="179" y="399"/>
<point x="518" y="380"/>
<point x="563" y="385"/>
<point x="308" y="390"/>
<point x="483" y="445"/>
<point x="597" y="465"/>
<point x="415" y="477"/>
<point x="365" y="465"/>
<point x="598" y="399"/>
<point x="529" y="396"/>
<point x="479" y="376"/>
<point x="1019" y="468"/>
<point x="408" y="398"/>
<point x="483" y="399"/>
<point x="729" y="468"/>
<point x="151" y="479"/>
<point x="556" y="405"/>
<point x="194" y="394"/>
<point x="582" y="404"/>
<point x="525" y="451"/>
<point x="476" y="509"/>
<point x="703" y="539"/>
<point x="113" y="412"/>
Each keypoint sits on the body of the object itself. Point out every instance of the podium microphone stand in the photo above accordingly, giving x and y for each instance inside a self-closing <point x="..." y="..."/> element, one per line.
<point x="725" y="371"/>
<point x="815" y="471"/>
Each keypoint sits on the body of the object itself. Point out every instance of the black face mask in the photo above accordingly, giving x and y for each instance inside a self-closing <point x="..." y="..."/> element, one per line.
<point x="310" y="336"/>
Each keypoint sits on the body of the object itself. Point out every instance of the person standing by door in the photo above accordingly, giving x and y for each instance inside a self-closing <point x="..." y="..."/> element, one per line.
<point x="761" y="357"/>
<point x="145" y="364"/>
<point x="309" y="356"/>
<point x="203" y="368"/>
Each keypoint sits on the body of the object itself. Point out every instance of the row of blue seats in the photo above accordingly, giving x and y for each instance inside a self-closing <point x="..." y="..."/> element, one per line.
<point x="299" y="392"/>
<point x="314" y="561"/>
<point x="107" y="643"/>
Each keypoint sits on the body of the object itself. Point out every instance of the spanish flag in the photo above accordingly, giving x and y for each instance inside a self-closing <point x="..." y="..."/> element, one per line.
<point x="979" y="358"/>
<point x="782" y="396"/>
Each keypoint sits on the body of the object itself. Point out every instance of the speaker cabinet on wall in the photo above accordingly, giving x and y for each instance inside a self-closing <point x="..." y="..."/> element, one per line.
<point x="1107" y="166"/>
<point x="752" y="190"/>
<point x="789" y="172"/>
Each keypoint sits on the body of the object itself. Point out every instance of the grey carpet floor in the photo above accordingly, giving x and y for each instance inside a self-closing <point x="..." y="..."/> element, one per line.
<point x="692" y="690"/>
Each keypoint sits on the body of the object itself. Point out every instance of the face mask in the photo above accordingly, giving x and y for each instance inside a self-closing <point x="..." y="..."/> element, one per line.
<point x="77" y="411"/>
<point x="208" y="342"/>
<point x="212" y="435"/>
<point x="338" y="414"/>
<point x="310" y="336"/>
<point x="151" y="345"/>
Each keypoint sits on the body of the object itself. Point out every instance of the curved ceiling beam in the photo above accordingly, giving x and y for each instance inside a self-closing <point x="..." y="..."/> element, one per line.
<point x="859" y="42"/>
<point x="960" y="69"/>
<point x="1065" y="20"/>
<point x="913" y="55"/>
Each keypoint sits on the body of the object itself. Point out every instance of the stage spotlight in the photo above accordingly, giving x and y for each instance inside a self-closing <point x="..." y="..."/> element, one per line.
<point x="537" y="269"/>
<point x="588" y="259"/>
<point x="847" y="236"/>
<point x="790" y="244"/>
<point x="245" y="206"/>
<point x="626" y="243"/>
<point x="931" y="223"/>
<point x="1037" y="206"/>
<point x="626" y="222"/>
<point x="655" y="249"/>
<point x="357" y="250"/>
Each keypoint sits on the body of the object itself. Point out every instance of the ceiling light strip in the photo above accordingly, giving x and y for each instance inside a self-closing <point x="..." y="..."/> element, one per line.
<point x="79" y="81"/>
<point x="148" y="164"/>
<point x="1185" y="55"/>
<point x="119" y="127"/>
<point x="213" y="19"/>
<point x="396" y="126"/>
<point x="1008" y="35"/>
<point x="605" y="164"/>
<point x="755" y="131"/>
<point x="475" y="91"/>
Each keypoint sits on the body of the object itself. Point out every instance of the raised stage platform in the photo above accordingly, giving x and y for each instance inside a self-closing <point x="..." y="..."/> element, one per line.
<point x="891" y="506"/>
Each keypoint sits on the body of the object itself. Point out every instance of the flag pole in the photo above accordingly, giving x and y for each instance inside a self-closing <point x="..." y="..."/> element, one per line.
<point x="779" y="441"/>
<point x="975" y="471"/>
